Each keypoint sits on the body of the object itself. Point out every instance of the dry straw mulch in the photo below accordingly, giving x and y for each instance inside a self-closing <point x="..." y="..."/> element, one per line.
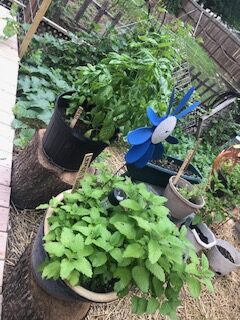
<point x="222" y="305"/>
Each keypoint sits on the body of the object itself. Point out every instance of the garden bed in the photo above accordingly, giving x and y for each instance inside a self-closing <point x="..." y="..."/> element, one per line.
<point x="224" y="304"/>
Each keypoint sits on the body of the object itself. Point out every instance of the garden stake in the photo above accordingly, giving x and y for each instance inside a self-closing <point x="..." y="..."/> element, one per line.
<point x="82" y="170"/>
<point x="186" y="162"/>
<point x="76" y="117"/>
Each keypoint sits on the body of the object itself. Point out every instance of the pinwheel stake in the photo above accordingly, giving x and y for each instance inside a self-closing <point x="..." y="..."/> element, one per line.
<point x="186" y="162"/>
<point x="147" y="142"/>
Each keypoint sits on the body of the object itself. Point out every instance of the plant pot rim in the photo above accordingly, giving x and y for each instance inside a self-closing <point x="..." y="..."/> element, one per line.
<point x="85" y="293"/>
<point x="199" y="241"/>
<point x="189" y="203"/>
<point x="223" y="243"/>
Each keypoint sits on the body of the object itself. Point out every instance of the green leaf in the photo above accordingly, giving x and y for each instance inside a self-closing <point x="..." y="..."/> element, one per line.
<point x="130" y="204"/>
<point x="67" y="266"/>
<point x="84" y="267"/>
<point x="134" y="250"/>
<point x="84" y="230"/>
<point x="204" y="261"/>
<point x="142" y="223"/>
<point x="42" y="206"/>
<point x="77" y="243"/>
<point x="156" y="270"/>
<point x="51" y="270"/>
<point x="100" y="258"/>
<point x="141" y="277"/>
<point x="126" y="229"/>
<point x="152" y="306"/>
<point x="154" y="252"/>
<point x="67" y="237"/>
<point x="139" y="305"/>
<point x="194" y="286"/>
<point x="74" y="278"/>
<point x="125" y="277"/>
<point x="54" y="249"/>
<point x="157" y="286"/>
<point x="116" y="253"/>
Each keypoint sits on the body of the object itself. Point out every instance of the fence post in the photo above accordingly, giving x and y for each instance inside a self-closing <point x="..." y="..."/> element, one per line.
<point x="101" y="11"/>
<point x="33" y="28"/>
<point x="82" y="9"/>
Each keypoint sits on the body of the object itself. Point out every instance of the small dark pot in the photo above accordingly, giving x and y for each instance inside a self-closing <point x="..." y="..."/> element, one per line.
<point x="65" y="146"/>
<point x="55" y="288"/>
<point x="160" y="176"/>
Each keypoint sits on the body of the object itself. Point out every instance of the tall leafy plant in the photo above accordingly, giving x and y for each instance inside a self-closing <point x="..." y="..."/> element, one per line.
<point x="133" y="244"/>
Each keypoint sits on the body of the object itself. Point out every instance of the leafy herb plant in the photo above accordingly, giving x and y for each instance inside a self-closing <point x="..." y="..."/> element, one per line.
<point x="12" y="25"/>
<point x="133" y="244"/>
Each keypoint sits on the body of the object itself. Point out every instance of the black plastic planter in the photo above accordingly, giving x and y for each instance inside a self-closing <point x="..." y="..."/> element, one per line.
<point x="159" y="176"/>
<point x="55" y="288"/>
<point x="65" y="146"/>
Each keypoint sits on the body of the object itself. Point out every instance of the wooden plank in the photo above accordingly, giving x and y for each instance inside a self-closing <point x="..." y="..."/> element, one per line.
<point x="82" y="9"/>
<point x="30" y="10"/>
<point x="4" y="218"/>
<point x="5" y="159"/>
<point x="1" y="276"/>
<point x="5" y="176"/>
<point x="3" y="245"/>
<point x="33" y="28"/>
<point x="116" y="19"/>
<point x="101" y="11"/>
<point x="4" y="196"/>
<point x="5" y="145"/>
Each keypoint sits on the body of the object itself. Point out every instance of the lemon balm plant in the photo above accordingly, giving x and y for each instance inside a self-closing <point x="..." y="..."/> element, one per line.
<point x="131" y="245"/>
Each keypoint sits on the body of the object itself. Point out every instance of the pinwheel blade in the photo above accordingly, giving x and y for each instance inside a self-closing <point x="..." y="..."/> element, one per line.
<point x="188" y="110"/>
<point x="136" y="152"/>
<point x="172" y="140"/>
<point x="171" y="101"/>
<point x="153" y="117"/>
<point x="145" y="158"/>
<point x="139" y="135"/>
<point x="158" y="152"/>
<point x="183" y="101"/>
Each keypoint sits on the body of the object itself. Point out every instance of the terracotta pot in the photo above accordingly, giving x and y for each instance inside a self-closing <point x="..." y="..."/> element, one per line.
<point x="179" y="206"/>
<point x="194" y="238"/>
<point x="58" y="288"/>
<point x="218" y="262"/>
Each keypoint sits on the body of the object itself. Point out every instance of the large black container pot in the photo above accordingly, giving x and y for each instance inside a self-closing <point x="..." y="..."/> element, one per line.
<point x="65" y="146"/>
<point x="58" y="288"/>
<point x="160" y="176"/>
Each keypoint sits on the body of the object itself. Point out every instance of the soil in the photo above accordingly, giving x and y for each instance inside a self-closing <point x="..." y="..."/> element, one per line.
<point x="199" y="232"/>
<point x="171" y="165"/>
<point x="226" y="254"/>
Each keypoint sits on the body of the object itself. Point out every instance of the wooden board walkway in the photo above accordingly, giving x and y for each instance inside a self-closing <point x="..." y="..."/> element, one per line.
<point x="9" y="62"/>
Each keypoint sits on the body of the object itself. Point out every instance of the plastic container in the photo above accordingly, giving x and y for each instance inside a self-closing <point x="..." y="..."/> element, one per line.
<point x="179" y="206"/>
<point x="65" y="146"/>
<point x="160" y="176"/>
<point x="194" y="238"/>
<point x="58" y="288"/>
<point x="218" y="262"/>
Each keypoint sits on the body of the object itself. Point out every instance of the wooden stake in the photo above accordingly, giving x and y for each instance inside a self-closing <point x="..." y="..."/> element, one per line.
<point x="76" y="117"/>
<point x="82" y="170"/>
<point x="33" y="28"/>
<point x="186" y="162"/>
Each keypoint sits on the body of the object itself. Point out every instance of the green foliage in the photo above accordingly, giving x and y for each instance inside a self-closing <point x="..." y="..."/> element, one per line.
<point x="132" y="244"/>
<point x="121" y="85"/>
<point x="12" y="25"/>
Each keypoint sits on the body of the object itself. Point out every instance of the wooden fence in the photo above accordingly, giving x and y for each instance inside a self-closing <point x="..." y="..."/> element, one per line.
<point x="220" y="43"/>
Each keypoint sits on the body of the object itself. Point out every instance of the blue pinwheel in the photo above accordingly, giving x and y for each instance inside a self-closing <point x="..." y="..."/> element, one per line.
<point x="147" y="142"/>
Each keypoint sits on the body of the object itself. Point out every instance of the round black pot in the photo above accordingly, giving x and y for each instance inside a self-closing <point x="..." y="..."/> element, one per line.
<point x="55" y="288"/>
<point x="65" y="146"/>
<point x="159" y="176"/>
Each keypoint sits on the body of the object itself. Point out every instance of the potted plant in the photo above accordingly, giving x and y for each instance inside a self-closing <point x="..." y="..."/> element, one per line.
<point x="183" y="198"/>
<point x="201" y="237"/>
<point x="101" y="253"/>
<point x="158" y="172"/>
<point x="224" y="168"/>
<point x="223" y="258"/>
<point x="112" y="95"/>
